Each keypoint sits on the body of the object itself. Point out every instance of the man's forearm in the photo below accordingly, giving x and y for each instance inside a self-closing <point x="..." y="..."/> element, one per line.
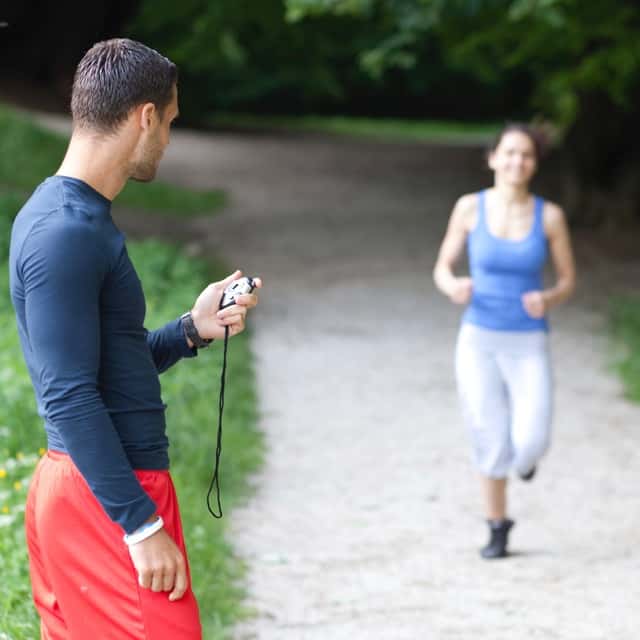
<point x="169" y="344"/>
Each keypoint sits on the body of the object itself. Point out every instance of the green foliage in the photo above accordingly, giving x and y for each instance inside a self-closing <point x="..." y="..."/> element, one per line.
<point x="29" y="153"/>
<point x="382" y="128"/>
<point x="570" y="47"/>
<point x="10" y="203"/>
<point x="171" y="282"/>
<point x="233" y="51"/>
<point x="263" y="57"/>
<point x="625" y="322"/>
<point x="164" y="198"/>
<point x="190" y="389"/>
<point x="18" y="620"/>
<point x="21" y="440"/>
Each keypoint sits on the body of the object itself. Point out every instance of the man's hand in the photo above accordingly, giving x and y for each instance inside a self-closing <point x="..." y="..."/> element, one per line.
<point x="160" y="565"/>
<point x="534" y="303"/>
<point x="461" y="290"/>
<point x="209" y="321"/>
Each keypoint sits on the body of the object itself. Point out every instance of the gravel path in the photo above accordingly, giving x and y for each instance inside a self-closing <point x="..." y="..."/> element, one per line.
<point x="365" y="521"/>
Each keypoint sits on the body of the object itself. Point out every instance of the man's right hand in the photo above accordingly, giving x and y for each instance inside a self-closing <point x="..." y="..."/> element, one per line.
<point x="160" y="564"/>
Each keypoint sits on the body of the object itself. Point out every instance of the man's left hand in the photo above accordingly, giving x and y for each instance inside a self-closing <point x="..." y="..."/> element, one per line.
<point x="210" y="321"/>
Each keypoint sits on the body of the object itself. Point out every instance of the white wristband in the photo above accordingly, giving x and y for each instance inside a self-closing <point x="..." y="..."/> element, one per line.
<point x="144" y="532"/>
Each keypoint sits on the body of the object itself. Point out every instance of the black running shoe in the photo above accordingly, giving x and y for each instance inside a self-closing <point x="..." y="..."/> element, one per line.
<point x="498" y="540"/>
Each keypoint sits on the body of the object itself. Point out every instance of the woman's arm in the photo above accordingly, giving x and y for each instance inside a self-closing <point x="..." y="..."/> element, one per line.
<point x="561" y="255"/>
<point x="537" y="303"/>
<point x="456" y="288"/>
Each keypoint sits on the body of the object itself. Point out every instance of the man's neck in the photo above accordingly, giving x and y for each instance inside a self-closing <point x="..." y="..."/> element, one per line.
<point x="99" y="161"/>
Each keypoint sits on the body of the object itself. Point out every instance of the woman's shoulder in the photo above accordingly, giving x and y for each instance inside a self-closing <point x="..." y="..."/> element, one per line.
<point x="553" y="217"/>
<point x="468" y="201"/>
<point x="466" y="210"/>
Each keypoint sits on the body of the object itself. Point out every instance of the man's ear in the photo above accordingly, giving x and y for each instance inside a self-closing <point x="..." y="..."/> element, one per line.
<point x="147" y="112"/>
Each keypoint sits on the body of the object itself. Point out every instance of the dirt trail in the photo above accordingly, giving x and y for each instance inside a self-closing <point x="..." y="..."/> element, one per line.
<point x="365" y="521"/>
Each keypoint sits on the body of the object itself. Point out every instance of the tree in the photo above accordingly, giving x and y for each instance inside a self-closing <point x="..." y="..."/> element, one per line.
<point x="244" y="55"/>
<point x="583" y="57"/>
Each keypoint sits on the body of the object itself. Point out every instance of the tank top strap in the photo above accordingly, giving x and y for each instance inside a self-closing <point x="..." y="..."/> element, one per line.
<point x="538" y="213"/>
<point x="481" y="223"/>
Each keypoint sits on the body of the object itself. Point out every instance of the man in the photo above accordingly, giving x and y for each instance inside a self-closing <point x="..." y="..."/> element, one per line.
<point x="80" y="311"/>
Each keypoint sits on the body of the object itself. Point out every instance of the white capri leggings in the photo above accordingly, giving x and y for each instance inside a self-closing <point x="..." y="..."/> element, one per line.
<point x="505" y="387"/>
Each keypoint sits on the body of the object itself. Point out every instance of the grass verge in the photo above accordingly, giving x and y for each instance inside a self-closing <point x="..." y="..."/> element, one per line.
<point x="191" y="391"/>
<point x="382" y="128"/>
<point x="625" y="323"/>
<point x="171" y="281"/>
<point x="28" y="154"/>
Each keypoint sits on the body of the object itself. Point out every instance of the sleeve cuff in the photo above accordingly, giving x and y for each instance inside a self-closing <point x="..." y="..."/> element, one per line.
<point x="137" y="519"/>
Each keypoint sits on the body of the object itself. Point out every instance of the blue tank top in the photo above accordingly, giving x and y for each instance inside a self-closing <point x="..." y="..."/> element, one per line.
<point x="502" y="270"/>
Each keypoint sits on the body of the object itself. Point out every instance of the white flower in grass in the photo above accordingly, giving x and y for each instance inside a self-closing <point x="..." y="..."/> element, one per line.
<point x="6" y="521"/>
<point x="26" y="460"/>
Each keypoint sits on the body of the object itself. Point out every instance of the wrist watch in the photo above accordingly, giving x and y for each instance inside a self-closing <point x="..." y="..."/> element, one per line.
<point x="191" y="332"/>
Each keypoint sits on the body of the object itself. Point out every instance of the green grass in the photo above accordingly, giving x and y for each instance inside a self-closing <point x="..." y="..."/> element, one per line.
<point x="383" y="128"/>
<point x="166" y="198"/>
<point x="190" y="389"/>
<point x="28" y="154"/>
<point x="171" y="281"/>
<point x="625" y="323"/>
<point x="17" y="615"/>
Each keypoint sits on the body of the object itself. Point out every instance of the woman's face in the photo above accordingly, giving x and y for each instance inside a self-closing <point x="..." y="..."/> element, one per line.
<point x="514" y="159"/>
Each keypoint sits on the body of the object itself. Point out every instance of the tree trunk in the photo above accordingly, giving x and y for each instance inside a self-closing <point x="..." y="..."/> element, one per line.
<point x="602" y="187"/>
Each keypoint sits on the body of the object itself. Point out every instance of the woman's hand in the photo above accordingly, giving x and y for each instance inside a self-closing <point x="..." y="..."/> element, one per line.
<point x="461" y="290"/>
<point x="462" y="219"/>
<point x="534" y="304"/>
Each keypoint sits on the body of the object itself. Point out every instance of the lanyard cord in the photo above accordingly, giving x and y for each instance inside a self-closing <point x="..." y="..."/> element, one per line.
<point x="215" y="480"/>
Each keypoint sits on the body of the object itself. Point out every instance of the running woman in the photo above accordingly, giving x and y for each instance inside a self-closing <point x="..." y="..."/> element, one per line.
<point x="503" y="367"/>
<point x="106" y="548"/>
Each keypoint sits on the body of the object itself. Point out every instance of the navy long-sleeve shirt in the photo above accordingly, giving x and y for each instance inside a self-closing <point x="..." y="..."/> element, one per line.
<point x="80" y="311"/>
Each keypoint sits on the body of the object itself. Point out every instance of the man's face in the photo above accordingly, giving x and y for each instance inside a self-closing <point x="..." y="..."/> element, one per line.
<point x="154" y="142"/>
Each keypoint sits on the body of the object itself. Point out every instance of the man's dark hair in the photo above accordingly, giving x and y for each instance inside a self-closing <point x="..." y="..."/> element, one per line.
<point x="116" y="76"/>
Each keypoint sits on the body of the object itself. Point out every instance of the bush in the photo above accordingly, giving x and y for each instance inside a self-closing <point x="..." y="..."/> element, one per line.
<point x="625" y="319"/>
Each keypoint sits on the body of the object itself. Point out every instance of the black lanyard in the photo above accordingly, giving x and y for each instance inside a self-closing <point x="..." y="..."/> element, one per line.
<point x="215" y="480"/>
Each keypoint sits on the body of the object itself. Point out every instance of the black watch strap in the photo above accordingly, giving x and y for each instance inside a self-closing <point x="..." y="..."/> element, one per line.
<point x="191" y="332"/>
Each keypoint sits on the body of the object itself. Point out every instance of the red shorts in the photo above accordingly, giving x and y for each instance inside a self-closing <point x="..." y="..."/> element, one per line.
<point x="84" y="584"/>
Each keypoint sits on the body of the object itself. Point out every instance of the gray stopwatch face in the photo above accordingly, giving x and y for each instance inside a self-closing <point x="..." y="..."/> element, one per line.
<point x="237" y="288"/>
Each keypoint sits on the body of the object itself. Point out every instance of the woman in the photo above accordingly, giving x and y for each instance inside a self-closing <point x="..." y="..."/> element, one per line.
<point x="502" y="357"/>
